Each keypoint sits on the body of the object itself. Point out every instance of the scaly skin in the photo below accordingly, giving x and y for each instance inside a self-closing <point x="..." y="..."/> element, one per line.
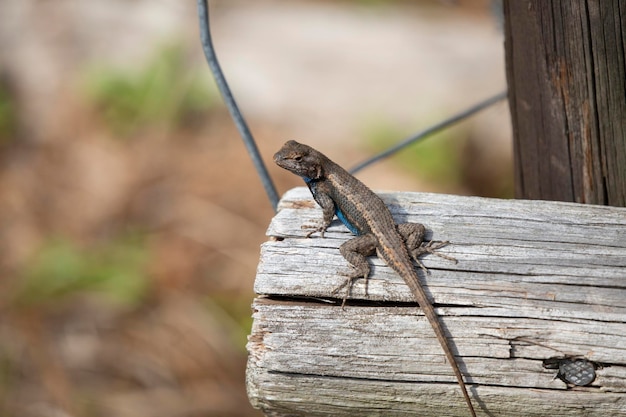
<point x="367" y="216"/>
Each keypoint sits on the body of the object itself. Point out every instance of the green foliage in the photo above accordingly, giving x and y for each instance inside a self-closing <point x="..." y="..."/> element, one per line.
<point x="168" y="92"/>
<point x="234" y="313"/>
<point x="437" y="159"/>
<point x="61" y="269"/>
<point x="8" y="122"/>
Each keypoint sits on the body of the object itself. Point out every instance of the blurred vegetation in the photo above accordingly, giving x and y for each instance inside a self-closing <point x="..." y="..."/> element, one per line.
<point x="61" y="269"/>
<point x="235" y="310"/>
<point x="451" y="160"/>
<point x="7" y="370"/>
<point x="167" y="92"/>
<point x="169" y="337"/>
<point x="71" y="306"/>
<point x="436" y="159"/>
<point x="8" y="121"/>
<point x="423" y="3"/>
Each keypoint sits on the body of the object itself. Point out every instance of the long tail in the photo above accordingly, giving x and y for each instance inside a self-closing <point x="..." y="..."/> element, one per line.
<point x="412" y="280"/>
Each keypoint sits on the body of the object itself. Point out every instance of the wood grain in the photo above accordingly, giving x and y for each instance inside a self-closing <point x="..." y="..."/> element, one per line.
<point x="534" y="280"/>
<point x="566" y="77"/>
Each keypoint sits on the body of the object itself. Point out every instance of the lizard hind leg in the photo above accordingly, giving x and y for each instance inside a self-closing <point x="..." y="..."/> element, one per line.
<point x="413" y="235"/>
<point x="356" y="251"/>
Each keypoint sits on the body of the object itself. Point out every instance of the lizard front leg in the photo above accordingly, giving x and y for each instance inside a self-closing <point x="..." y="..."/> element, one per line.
<point x="328" y="208"/>
<point x="413" y="235"/>
<point x="356" y="251"/>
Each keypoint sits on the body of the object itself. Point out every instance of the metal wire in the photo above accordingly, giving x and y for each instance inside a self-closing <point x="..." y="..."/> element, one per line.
<point x="430" y="130"/>
<point x="244" y="131"/>
<point x="242" y="127"/>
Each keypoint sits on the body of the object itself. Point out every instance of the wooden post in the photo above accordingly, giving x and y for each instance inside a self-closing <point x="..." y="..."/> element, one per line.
<point x="566" y="72"/>
<point x="535" y="280"/>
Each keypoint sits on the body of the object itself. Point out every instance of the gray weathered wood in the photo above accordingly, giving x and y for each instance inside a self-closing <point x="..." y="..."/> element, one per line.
<point x="534" y="280"/>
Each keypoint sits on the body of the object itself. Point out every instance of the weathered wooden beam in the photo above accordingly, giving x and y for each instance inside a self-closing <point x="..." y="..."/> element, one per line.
<point x="534" y="280"/>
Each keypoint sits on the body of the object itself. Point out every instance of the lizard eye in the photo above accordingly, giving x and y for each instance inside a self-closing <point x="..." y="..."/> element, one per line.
<point x="297" y="158"/>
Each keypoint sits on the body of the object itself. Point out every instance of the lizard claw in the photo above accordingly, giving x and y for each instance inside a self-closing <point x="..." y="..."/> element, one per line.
<point x="348" y="282"/>
<point x="316" y="228"/>
<point x="431" y="247"/>
<point x="347" y="293"/>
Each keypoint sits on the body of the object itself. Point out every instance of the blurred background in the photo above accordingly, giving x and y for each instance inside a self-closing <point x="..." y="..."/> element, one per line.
<point x="130" y="214"/>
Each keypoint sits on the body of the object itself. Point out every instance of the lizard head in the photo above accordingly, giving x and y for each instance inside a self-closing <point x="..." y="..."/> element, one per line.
<point x="300" y="159"/>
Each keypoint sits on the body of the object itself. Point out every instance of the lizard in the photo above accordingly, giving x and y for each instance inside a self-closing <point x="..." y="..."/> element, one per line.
<point x="366" y="216"/>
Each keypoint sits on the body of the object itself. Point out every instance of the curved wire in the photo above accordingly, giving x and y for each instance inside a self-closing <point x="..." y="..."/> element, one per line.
<point x="246" y="135"/>
<point x="242" y="127"/>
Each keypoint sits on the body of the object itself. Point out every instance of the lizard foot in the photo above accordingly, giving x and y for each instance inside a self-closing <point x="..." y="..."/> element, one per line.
<point x="431" y="247"/>
<point x="349" y="282"/>
<point x="316" y="228"/>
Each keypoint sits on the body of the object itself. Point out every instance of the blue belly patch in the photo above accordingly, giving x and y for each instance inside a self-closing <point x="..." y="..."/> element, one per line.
<point x="345" y="221"/>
